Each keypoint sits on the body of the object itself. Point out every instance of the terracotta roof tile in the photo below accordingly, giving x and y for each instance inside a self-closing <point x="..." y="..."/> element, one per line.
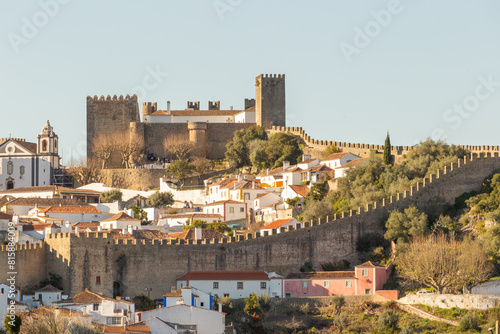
<point x="89" y="297"/>
<point x="120" y="216"/>
<point x="224" y="275"/>
<point x="353" y="163"/>
<point x="70" y="209"/>
<point x="132" y="329"/>
<point x="227" y="201"/>
<point x="370" y="264"/>
<point x="276" y="224"/>
<point x="48" y="288"/>
<point x="83" y="225"/>
<point x="335" y="156"/>
<point x="52" y="188"/>
<point x="45" y="202"/>
<point x="301" y="190"/>
<point x="5" y="216"/>
<point x="319" y="168"/>
<point x="322" y="275"/>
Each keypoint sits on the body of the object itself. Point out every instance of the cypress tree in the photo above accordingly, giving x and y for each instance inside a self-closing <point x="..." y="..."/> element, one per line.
<point x="387" y="150"/>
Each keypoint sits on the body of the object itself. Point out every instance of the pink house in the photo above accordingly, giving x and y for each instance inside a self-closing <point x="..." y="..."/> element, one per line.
<point x="365" y="279"/>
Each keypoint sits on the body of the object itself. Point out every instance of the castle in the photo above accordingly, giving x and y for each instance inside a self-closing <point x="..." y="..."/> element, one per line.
<point x="209" y="130"/>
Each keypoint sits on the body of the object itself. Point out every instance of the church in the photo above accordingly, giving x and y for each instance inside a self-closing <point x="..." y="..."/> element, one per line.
<point x="25" y="164"/>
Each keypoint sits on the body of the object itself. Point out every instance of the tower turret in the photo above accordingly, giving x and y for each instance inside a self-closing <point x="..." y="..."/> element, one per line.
<point x="270" y="103"/>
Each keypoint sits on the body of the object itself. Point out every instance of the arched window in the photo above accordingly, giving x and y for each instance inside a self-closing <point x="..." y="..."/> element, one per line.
<point x="55" y="145"/>
<point x="22" y="169"/>
<point x="44" y="145"/>
<point x="10" y="185"/>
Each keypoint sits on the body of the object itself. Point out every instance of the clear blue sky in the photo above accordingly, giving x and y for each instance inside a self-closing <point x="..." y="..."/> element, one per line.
<point x="403" y="73"/>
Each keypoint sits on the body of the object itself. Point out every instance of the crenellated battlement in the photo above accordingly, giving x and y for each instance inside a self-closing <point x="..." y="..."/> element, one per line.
<point x="35" y="246"/>
<point x="109" y="98"/>
<point x="273" y="76"/>
<point x="10" y="138"/>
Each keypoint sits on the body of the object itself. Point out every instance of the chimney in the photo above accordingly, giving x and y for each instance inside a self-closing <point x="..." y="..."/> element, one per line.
<point x="124" y="231"/>
<point x="77" y="230"/>
<point x="253" y="184"/>
<point x="240" y="177"/>
<point x="220" y="307"/>
<point x="306" y="157"/>
<point x="197" y="233"/>
<point x="99" y="228"/>
<point x="130" y="230"/>
<point x="168" y="107"/>
<point x="268" y="171"/>
<point x="36" y="210"/>
<point x="15" y="219"/>
<point x="286" y="165"/>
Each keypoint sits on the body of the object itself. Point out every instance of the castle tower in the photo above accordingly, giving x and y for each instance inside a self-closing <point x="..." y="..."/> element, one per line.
<point x="110" y="115"/>
<point x="47" y="142"/>
<point x="270" y="104"/>
<point x="198" y="136"/>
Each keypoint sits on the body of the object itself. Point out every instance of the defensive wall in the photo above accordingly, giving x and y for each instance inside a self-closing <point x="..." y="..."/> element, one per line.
<point x="363" y="150"/>
<point x="126" y="267"/>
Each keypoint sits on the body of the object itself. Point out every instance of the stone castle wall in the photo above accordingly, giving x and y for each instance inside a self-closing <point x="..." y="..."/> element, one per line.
<point x="129" y="267"/>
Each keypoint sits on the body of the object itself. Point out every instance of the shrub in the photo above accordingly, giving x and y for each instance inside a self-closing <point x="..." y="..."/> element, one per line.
<point x="407" y="330"/>
<point x="338" y="302"/>
<point x="111" y="196"/>
<point x="304" y="308"/>
<point x="306" y="267"/>
<point x="388" y="319"/>
<point x="265" y="302"/>
<point x="468" y="321"/>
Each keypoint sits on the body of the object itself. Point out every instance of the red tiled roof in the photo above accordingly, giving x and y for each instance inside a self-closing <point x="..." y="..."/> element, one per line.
<point x="301" y="190"/>
<point x="223" y="182"/>
<point x="322" y="275"/>
<point x="261" y="195"/>
<point x="245" y="184"/>
<point x="193" y="215"/>
<point x="369" y="264"/>
<point x="120" y="216"/>
<point x="48" y="288"/>
<point x="224" y="275"/>
<point x="50" y="188"/>
<point x="5" y="216"/>
<point x="319" y="168"/>
<point x="90" y="225"/>
<point x="227" y="201"/>
<point x="44" y="202"/>
<point x="353" y="163"/>
<point x="70" y="209"/>
<point x="307" y="161"/>
<point x="132" y="329"/>
<point x="335" y="156"/>
<point x="42" y="226"/>
<point x="89" y="297"/>
<point x="276" y="224"/>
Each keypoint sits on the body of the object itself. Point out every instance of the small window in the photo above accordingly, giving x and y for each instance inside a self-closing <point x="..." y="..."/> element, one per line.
<point x="22" y="169"/>
<point x="98" y="280"/>
<point x="305" y="284"/>
<point x="263" y="285"/>
<point x="239" y="285"/>
<point x="242" y="209"/>
<point x="216" y="285"/>
<point x="96" y="307"/>
<point x="202" y="304"/>
<point x="44" y="146"/>
<point x="348" y="284"/>
<point x="114" y="321"/>
<point x="288" y="295"/>
<point x="40" y="296"/>
<point x="231" y="210"/>
<point x="226" y="295"/>
<point x="364" y="272"/>
<point x="10" y="168"/>
<point x="367" y="291"/>
<point x="326" y="284"/>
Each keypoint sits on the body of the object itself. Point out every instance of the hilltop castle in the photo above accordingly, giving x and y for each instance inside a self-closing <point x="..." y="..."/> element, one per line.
<point x="210" y="130"/>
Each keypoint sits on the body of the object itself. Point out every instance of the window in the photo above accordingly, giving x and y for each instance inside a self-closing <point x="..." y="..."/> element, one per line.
<point x="40" y="296"/>
<point x="348" y="284"/>
<point x="246" y="195"/>
<point x="242" y="209"/>
<point x="326" y="284"/>
<point x="263" y="285"/>
<point x="364" y="272"/>
<point x="114" y="321"/>
<point x="44" y="146"/>
<point x="288" y="294"/>
<point x="98" y="280"/>
<point x="367" y="291"/>
<point x="22" y="169"/>
<point x="304" y="284"/>
<point x="226" y="295"/>
<point x="2" y="290"/>
<point x="10" y="168"/>
<point x="216" y="285"/>
<point x="231" y="210"/>
<point x="202" y="304"/>
<point x="239" y="285"/>
<point x="96" y="307"/>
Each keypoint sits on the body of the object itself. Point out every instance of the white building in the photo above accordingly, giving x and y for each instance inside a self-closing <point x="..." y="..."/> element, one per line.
<point x="235" y="284"/>
<point x="229" y="209"/>
<point x="24" y="164"/>
<point x="182" y="316"/>
<point x="104" y="310"/>
<point x="191" y="297"/>
<point x="48" y="295"/>
<point x="119" y="221"/>
<point x="14" y="294"/>
<point x="81" y="195"/>
<point x="72" y="214"/>
<point x="180" y="219"/>
<point x="340" y="171"/>
<point x="338" y="159"/>
<point x="21" y="206"/>
<point x="264" y="200"/>
<point x="300" y="191"/>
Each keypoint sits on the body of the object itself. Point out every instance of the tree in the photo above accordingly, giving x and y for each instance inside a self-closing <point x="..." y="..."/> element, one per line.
<point x="219" y="227"/>
<point x="283" y="147"/>
<point x="103" y="147"/>
<point x="440" y="262"/>
<point x="139" y="213"/>
<point x="143" y="303"/>
<point x="388" y="320"/>
<point x="180" y="169"/>
<point x="58" y="324"/>
<point x="237" y="150"/>
<point x="401" y="226"/>
<point x="111" y="196"/>
<point x="318" y="191"/>
<point x="85" y="173"/>
<point x="341" y="322"/>
<point x="128" y="149"/>
<point x="293" y="201"/>
<point x="387" y="150"/>
<point x="252" y="306"/>
<point x="202" y="166"/>
<point x="317" y="209"/>
<point x="160" y="199"/>
<point x="194" y="224"/>
<point x="179" y="146"/>
<point x="338" y="302"/>
<point x="13" y="324"/>
<point x="330" y="149"/>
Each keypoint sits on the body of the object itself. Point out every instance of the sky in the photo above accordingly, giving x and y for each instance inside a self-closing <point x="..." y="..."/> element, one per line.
<point x="354" y="69"/>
